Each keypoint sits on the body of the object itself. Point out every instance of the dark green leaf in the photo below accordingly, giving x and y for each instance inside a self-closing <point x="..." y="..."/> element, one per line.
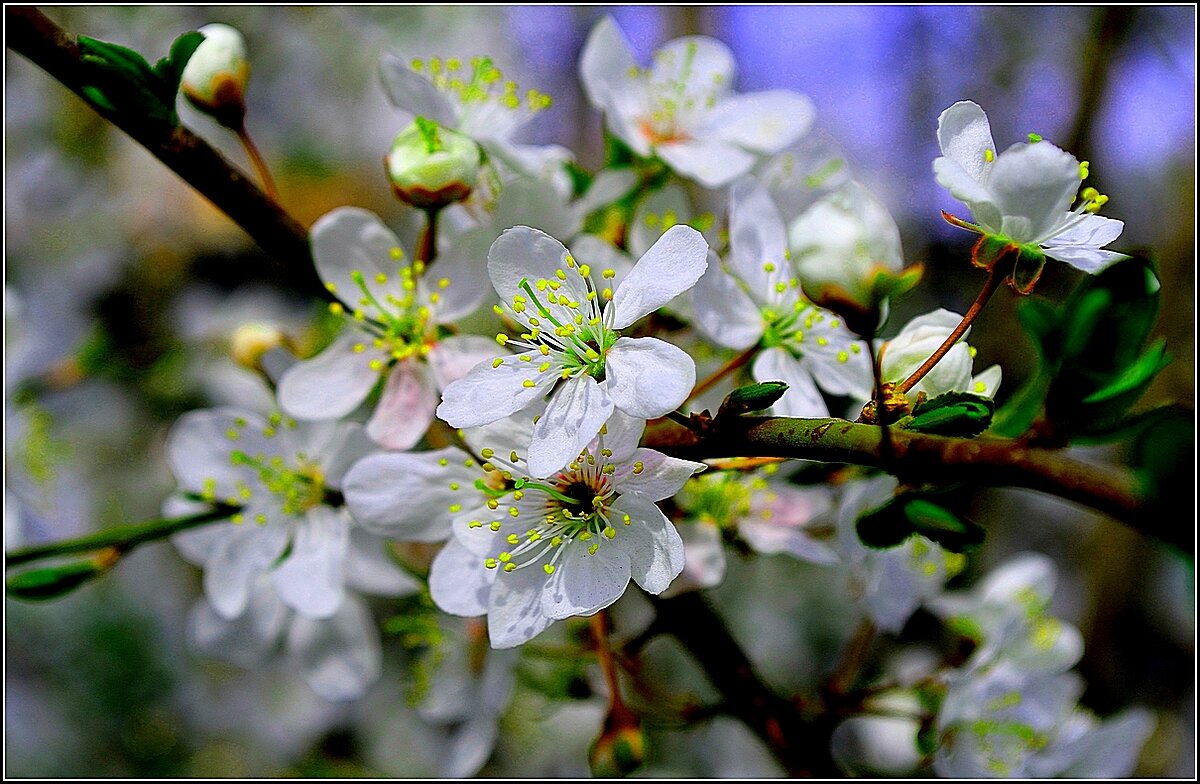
<point x="885" y="527"/>
<point x="953" y="414"/>
<point x="52" y="581"/>
<point x="752" y="397"/>
<point x="943" y="526"/>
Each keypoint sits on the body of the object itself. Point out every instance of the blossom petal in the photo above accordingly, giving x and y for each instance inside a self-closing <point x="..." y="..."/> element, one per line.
<point x="704" y="561"/>
<point x="987" y="382"/>
<point x="331" y="384"/>
<point x="802" y="399"/>
<point x="656" y="213"/>
<point x="1094" y="231"/>
<point x="703" y="65"/>
<point x="405" y="496"/>
<point x="669" y="268"/>
<point x="622" y="433"/>
<point x="770" y="538"/>
<point x="310" y="579"/>
<point x="572" y="418"/>
<point x="724" y="311"/>
<point x="954" y="178"/>
<point x="648" y="377"/>
<point x="245" y="640"/>
<point x="370" y="570"/>
<point x="965" y="137"/>
<point x="756" y="238"/>
<point x="414" y="94"/>
<point x="349" y="240"/>
<point x="660" y="476"/>
<point x="523" y="253"/>
<point x="199" y="446"/>
<point x="1089" y="260"/>
<point x="1033" y="184"/>
<point x="489" y="393"/>
<point x="515" y="607"/>
<point x="458" y="582"/>
<point x="340" y="656"/>
<point x="654" y="547"/>
<point x="247" y="551"/>
<point x="405" y="409"/>
<point x="454" y="356"/>
<point x="710" y="162"/>
<point x="605" y="63"/>
<point x="764" y="121"/>
<point x="465" y="289"/>
<point x="585" y="582"/>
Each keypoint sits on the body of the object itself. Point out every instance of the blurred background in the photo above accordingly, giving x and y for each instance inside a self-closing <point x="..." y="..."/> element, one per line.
<point x="109" y="255"/>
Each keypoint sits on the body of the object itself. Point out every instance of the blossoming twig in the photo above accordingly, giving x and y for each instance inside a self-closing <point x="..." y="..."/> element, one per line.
<point x="123" y="537"/>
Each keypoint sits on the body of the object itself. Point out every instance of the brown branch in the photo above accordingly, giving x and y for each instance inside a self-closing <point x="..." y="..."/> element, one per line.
<point x="924" y="459"/>
<point x="800" y="742"/>
<point x="31" y="34"/>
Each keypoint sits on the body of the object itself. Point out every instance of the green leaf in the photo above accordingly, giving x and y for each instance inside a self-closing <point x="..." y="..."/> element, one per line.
<point x="1041" y="320"/>
<point x="752" y="397"/>
<point x="52" y="581"/>
<point x="886" y="527"/>
<point x="940" y="525"/>
<point x="118" y="79"/>
<point x="953" y="414"/>
<point x="169" y="69"/>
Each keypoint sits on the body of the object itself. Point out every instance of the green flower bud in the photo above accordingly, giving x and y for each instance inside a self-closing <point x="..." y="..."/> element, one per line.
<point x="620" y="749"/>
<point x="215" y="76"/>
<point x="431" y="166"/>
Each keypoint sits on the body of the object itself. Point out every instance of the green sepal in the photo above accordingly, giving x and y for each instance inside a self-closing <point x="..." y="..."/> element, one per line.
<point x="953" y="414"/>
<point x="940" y="525"/>
<point x="752" y="397"/>
<point x="616" y="152"/>
<point x="989" y="249"/>
<point x="1028" y="268"/>
<point x="51" y="582"/>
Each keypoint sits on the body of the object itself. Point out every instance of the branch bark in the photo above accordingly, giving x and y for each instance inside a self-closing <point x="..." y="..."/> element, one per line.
<point x="30" y="33"/>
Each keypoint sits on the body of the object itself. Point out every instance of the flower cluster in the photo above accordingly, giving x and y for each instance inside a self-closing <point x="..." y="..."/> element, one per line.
<point x="519" y="459"/>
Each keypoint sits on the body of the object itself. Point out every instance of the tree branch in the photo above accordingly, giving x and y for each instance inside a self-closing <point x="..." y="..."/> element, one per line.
<point x="923" y="459"/>
<point x="30" y="33"/>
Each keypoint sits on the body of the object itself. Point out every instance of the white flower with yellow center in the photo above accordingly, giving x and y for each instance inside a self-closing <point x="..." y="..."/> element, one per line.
<point x="528" y="551"/>
<point x="572" y="348"/>
<point x="395" y="315"/>
<point x="753" y="298"/>
<point x="1023" y="194"/>
<point x="683" y="110"/>
<point x="282" y="475"/>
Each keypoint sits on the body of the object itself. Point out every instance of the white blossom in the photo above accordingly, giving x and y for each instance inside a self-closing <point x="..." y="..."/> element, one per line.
<point x="1023" y="194"/>
<point x="528" y="551"/>
<point x="573" y="349"/>
<point x="396" y="310"/>
<point x="683" y="109"/>
<point x="753" y="298"/>
<point x="278" y="472"/>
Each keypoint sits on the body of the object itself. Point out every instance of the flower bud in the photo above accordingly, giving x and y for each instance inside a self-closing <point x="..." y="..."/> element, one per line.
<point x="251" y="340"/>
<point x="620" y="749"/>
<point x="846" y="249"/>
<point x="431" y="166"/>
<point x="215" y="76"/>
